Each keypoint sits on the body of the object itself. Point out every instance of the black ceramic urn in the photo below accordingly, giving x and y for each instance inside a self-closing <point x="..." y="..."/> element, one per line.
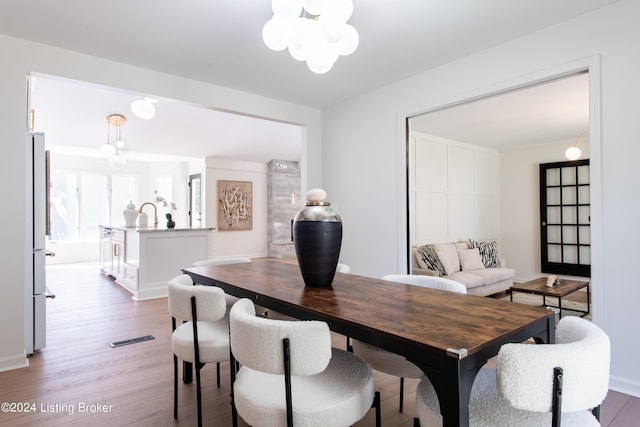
<point x="317" y="237"/>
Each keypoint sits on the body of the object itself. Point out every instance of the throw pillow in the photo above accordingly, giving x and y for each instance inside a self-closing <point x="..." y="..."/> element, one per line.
<point x="427" y="258"/>
<point x="488" y="252"/>
<point x="448" y="256"/>
<point x="470" y="259"/>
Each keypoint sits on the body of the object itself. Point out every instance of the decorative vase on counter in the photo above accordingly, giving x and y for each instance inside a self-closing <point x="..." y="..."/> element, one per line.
<point x="170" y="222"/>
<point x="143" y="220"/>
<point x="130" y="215"/>
<point x="317" y="237"/>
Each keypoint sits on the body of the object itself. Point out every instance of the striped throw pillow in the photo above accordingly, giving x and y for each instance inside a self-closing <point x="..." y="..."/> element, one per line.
<point x="488" y="252"/>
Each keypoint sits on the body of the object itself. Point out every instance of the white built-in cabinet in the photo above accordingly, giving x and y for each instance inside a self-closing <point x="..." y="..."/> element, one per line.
<point x="143" y="260"/>
<point x="454" y="191"/>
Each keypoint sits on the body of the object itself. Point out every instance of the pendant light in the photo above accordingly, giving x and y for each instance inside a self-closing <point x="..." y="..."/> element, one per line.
<point x="112" y="150"/>
<point x="315" y="31"/>
<point x="144" y="108"/>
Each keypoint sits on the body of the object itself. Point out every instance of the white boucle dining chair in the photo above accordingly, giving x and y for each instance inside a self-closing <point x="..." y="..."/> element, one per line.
<point x="203" y="335"/>
<point x="521" y="390"/>
<point x="391" y="363"/>
<point x="343" y="268"/>
<point x="290" y="375"/>
<point x="223" y="261"/>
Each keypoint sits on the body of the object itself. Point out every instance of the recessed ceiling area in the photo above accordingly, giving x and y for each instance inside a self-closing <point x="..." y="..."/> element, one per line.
<point x="554" y="111"/>
<point x="73" y="116"/>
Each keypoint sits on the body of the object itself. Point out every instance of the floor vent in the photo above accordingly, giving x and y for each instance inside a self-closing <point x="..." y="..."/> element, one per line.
<point x="131" y="341"/>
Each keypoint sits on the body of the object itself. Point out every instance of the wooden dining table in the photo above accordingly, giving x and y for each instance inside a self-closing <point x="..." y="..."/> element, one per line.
<point x="449" y="336"/>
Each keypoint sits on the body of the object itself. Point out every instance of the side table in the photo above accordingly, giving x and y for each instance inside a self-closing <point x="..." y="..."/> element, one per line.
<point x="559" y="290"/>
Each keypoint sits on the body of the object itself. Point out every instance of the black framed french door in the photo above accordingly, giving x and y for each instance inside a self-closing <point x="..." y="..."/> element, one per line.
<point x="565" y="216"/>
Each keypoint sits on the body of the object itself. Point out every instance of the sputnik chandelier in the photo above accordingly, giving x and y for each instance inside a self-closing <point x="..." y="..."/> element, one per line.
<point x="315" y="31"/>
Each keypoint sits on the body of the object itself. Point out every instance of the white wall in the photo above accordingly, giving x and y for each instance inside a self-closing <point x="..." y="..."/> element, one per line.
<point x="455" y="191"/>
<point x="369" y="131"/>
<point x="520" y="207"/>
<point x="245" y="243"/>
<point x="19" y="58"/>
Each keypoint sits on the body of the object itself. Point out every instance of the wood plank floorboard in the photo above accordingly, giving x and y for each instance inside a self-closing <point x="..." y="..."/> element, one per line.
<point x="133" y="384"/>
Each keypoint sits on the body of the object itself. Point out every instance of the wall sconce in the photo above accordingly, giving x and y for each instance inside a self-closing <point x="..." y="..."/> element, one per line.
<point x="574" y="153"/>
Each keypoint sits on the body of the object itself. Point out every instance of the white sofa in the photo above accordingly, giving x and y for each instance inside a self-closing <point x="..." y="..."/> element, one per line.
<point x="475" y="264"/>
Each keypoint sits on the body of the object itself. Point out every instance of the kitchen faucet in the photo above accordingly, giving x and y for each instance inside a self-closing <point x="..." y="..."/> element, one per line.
<point x="155" y="212"/>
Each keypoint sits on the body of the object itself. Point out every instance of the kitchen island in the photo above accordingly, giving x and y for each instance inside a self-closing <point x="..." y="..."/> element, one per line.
<point x="143" y="259"/>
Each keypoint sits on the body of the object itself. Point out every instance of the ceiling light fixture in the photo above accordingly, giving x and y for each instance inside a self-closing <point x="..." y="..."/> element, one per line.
<point x="574" y="153"/>
<point x="315" y="31"/>
<point x="144" y="108"/>
<point x="114" y="158"/>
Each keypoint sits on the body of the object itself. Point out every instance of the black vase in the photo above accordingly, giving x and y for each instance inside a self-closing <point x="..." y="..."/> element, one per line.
<point x="171" y="224"/>
<point x="317" y="238"/>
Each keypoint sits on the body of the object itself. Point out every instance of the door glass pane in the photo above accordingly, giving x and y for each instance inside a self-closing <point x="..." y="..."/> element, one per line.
<point x="569" y="196"/>
<point x="585" y="255"/>
<point x="93" y="206"/>
<point x="553" y="234"/>
<point x="584" y="213"/>
<point x="553" y="215"/>
<point x="584" y="233"/>
<point x="554" y="253"/>
<point x="569" y="215"/>
<point x="123" y="190"/>
<point x="583" y="175"/>
<point x="569" y="235"/>
<point x="584" y="195"/>
<point x="570" y="254"/>
<point x="553" y="196"/>
<point x="568" y="176"/>
<point x="553" y="177"/>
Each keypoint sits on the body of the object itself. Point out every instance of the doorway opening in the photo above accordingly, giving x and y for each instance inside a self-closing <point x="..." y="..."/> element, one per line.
<point x="457" y="194"/>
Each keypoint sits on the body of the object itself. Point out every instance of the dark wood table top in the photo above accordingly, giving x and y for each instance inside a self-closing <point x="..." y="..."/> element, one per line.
<point x="430" y="318"/>
<point x="539" y="286"/>
<point x="449" y="336"/>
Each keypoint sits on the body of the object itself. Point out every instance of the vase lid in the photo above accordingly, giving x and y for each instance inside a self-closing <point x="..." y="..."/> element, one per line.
<point x="316" y="197"/>
<point x="317" y="208"/>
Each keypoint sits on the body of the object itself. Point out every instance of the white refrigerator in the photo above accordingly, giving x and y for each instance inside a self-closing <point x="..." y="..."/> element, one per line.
<point x="37" y="212"/>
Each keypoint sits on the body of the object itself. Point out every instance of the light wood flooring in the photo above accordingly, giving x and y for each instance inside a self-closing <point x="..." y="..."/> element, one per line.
<point x="78" y="380"/>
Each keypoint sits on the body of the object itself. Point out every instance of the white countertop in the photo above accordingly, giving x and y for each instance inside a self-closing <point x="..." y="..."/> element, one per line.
<point x="151" y="228"/>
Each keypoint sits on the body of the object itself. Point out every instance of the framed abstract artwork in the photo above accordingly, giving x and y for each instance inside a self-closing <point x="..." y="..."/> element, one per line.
<point x="235" y="211"/>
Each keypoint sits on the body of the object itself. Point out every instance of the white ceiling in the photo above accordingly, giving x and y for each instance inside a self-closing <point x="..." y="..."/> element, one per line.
<point x="550" y="112"/>
<point x="73" y="116"/>
<point x="219" y="41"/>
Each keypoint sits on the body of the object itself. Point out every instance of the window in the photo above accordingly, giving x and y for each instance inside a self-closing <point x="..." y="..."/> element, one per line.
<point x="123" y="190"/>
<point x="80" y="202"/>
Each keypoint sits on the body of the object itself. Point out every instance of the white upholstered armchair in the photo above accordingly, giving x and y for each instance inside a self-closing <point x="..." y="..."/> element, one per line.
<point x="519" y="392"/>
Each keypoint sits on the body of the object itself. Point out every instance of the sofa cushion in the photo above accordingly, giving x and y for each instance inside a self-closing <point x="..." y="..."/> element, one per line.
<point x="468" y="279"/>
<point x="488" y="251"/>
<point x="428" y="259"/>
<point x="448" y="256"/>
<point x="470" y="259"/>
<point x="492" y="275"/>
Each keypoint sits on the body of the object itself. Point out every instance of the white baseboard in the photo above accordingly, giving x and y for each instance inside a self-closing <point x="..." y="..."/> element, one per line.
<point x="13" y="362"/>
<point x="624" y="385"/>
